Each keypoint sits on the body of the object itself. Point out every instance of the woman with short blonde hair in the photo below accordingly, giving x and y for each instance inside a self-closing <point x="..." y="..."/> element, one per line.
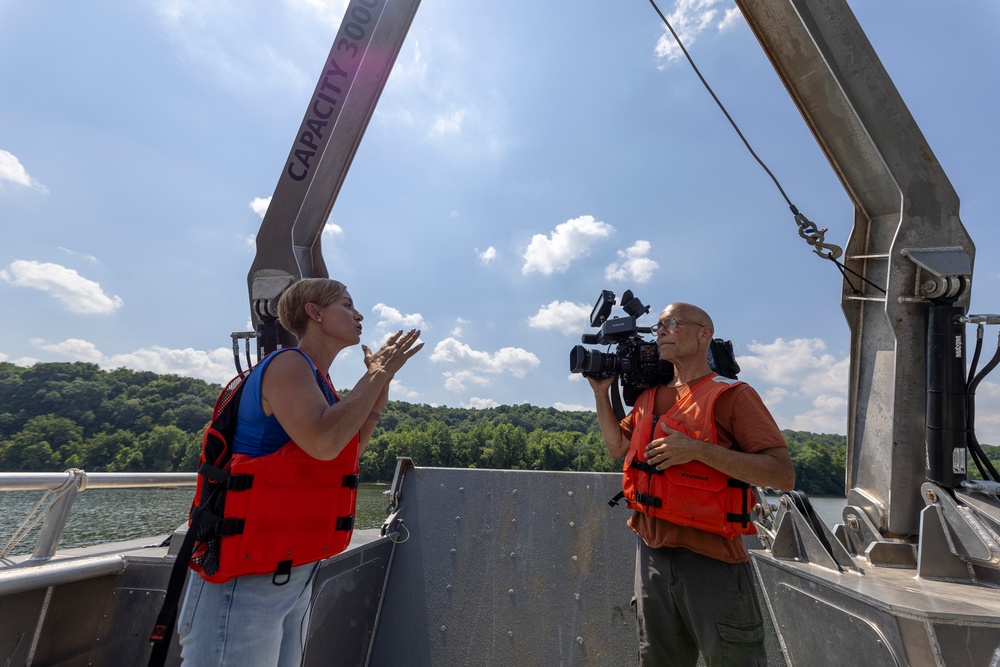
<point x="250" y="604"/>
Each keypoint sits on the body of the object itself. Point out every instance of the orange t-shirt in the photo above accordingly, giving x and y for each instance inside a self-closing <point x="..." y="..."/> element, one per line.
<point x="743" y="423"/>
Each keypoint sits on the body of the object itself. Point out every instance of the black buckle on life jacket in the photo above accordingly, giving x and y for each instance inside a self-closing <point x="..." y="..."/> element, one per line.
<point x="211" y="472"/>
<point x="645" y="467"/>
<point x="284" y="573"/>
<point x="743" y="519"/>
<point x="650" y="501"/>
<point x="229" y="527"/>
<point x="345" y="522"/>
<point x="614" y="501"/>
<point x="239" y="482"/>
<point x="351" y="481"/>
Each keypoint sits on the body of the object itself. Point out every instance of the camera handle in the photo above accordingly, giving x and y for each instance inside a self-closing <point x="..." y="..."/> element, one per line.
<point x="616" y="399"/>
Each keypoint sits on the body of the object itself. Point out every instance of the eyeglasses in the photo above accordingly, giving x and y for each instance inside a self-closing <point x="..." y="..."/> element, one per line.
<point x="671" y="324"/>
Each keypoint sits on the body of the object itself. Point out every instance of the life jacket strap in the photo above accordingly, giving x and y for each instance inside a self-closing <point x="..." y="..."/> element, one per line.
<point x="213" y="473"/>
<point x="283" y="574"/>
<point x="651" y="501"/>
<point x="738" y="518"/>
<point x="645" y="467"/>
<point x="229" y="527"/>
<point x="345" y="522"/>
<point x="239" y="482"/>
<point x="614" y="501"/>
<point x="351" y="481"/>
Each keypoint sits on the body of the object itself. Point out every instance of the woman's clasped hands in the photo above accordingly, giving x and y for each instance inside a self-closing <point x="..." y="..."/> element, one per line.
<point x="395" y="352"/>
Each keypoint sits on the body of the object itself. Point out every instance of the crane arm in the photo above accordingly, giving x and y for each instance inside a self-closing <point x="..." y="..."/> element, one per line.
<point x="907" y="237"/>
<point x="354" y="74"/>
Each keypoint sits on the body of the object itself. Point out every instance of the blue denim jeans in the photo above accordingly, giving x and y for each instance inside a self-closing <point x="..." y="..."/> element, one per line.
<point x="245" y="621"/>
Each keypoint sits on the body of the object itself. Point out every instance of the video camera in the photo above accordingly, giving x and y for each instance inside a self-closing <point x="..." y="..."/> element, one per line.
<point x="636" y="360"/>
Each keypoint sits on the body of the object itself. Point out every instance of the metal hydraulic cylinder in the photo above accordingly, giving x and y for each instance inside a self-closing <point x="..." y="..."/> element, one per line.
<point x="946" y="420"/>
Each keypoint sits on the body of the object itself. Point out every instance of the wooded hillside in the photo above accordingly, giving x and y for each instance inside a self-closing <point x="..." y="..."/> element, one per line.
<point x="55" y="416"/>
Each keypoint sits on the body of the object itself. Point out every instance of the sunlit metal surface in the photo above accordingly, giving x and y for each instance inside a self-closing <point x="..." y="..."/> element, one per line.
<point x="43" y="481"/>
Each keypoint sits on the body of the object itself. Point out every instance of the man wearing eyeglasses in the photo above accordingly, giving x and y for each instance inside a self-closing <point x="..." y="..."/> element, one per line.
<point x="692" y="448"/>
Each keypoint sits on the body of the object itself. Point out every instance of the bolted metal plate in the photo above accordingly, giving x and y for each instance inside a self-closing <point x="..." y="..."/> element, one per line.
<point x="510" y="567"/>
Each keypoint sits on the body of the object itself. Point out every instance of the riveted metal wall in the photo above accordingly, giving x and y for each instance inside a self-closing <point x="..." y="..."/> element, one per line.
<point x="505" y="567"/>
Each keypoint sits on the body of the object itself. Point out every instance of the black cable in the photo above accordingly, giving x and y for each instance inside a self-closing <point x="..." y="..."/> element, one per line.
<point x="844" y="270"/>
<point x="723" y="108"/>
<point x="978" y="454"/>
<point x="974" y="446"/>
<point x="970" y="406"/>
<point x="987" y="369"/>
<point x="980" y="330"/>
<point x="815" y="241"/>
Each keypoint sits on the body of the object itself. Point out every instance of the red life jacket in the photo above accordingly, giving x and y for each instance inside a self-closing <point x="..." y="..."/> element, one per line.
<point x="690" y="494"/>
<point x="279" y="510"/>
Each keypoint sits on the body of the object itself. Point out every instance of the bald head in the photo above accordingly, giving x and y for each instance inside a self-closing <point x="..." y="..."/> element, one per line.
<point x="686" y="344"/>
<point x="691" y="313"/>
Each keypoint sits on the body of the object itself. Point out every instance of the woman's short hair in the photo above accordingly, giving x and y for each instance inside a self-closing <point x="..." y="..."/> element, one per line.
<point x="292" y="305"/>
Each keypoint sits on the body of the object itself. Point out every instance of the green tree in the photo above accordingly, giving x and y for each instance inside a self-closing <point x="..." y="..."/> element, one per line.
<point x="35" y="456"/>
<point x="816" y="469"/>
<point x="163" y="448"/>
<point x="128" y="459"/>
<point x="548" y="450"/>
<point x="43" y="444"/>
<point x="100" y="450"/>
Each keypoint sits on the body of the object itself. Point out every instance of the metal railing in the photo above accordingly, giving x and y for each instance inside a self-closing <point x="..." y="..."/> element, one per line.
<point x="60" y="491"/>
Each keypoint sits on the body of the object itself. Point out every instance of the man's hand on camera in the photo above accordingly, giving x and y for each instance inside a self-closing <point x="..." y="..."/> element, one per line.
<point x="601" y="385"/>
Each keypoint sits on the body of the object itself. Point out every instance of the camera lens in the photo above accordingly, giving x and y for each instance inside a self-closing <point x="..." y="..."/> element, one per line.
<point x="592" y="362"/>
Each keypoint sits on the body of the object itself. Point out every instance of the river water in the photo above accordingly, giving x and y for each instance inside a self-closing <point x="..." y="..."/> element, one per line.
<point x="107" y="515"/>
<point x="110" y="515"/>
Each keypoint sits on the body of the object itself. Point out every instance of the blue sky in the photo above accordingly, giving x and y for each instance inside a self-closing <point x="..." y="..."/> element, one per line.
<point x="524" y="156"/>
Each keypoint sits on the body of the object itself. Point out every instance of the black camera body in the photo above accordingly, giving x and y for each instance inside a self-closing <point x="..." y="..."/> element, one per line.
<point x="635" y="360"/>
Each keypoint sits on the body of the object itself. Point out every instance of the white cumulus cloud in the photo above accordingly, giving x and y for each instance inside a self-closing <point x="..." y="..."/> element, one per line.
<point x="690" y="19"/>
<point x="209" y="365"/>
<point x="12" y="171"/>
<point x="804" y="385"/>
<point x="829" y="415"/>
<point x="570" y="407"/>
<point x="391" y="319"/>
<point x="77" y="293"/>
<point x="399" y="390"/>
<point x="259" y="205"/>
<point x="475" y="365"/>
<point x="458" y="381"/>
<point x="477" y="403"/>
<point x="22" y="361"/>
<point x="459" y="328"/>
<point x="487" y="255"/>
<point x="74" y="348"/>
<point x="565" y="316"/>
<point x="803" y="363"/>
<point x="568" y="241"/>
<point x="633" y="265"/>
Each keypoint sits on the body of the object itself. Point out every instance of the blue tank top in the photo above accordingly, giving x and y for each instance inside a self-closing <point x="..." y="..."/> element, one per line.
<point x="258" y="434"/>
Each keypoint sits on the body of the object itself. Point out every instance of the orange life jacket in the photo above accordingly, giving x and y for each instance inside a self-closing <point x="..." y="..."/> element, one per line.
<point x="690" y="494"/>
<point x="280" y="510"/>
